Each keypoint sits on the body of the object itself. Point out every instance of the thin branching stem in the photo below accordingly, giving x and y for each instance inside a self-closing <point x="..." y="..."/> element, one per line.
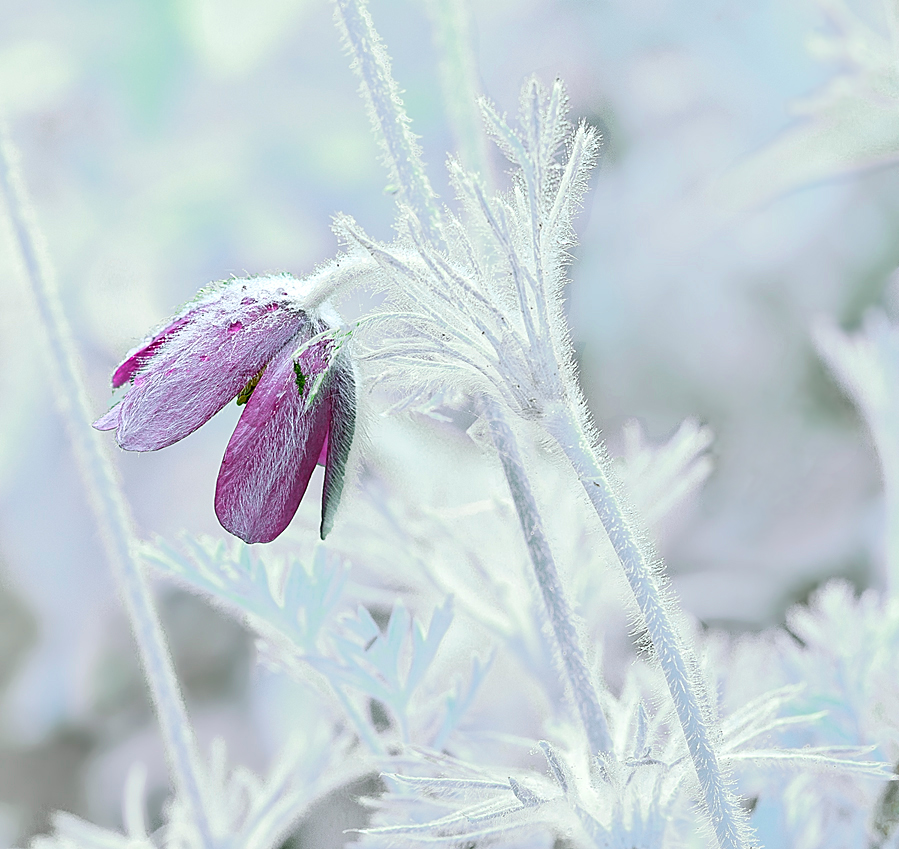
<point x="394" y="264"/>
<point x="106" y="498"/>
<point x="573" y="168"/>
<point x="520" y="274"/>
<point x="447" y="278"/>
<point x="499" y="225"/>
<point x="442" y="268"/>
<point x="547" y="575"/>
<point x="677" y="661"/>
<point x="420" y="290"/>
<point x="381" y="93"/>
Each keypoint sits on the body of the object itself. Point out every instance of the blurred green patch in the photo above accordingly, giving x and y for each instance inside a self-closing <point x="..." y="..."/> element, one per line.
<point x="212" y="654"/>
<point x="615" y="143"/>
<point x="147" y="63"/>
<point x="857" y="571"/>
<point x="824" y="401"/>
<point x="18" y="632"/>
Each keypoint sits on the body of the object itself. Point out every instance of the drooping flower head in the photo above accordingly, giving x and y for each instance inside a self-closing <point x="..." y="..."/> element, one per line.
<point x="252" y="341"/>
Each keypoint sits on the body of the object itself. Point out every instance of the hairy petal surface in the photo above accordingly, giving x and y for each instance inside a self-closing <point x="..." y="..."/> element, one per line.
<point x="198" y="368"/>
<point x="109" y="420"/>
<point x="271" y="455"/>
<point x="137" y="358"/>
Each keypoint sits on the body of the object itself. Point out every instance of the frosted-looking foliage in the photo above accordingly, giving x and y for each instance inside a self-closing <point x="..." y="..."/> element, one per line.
<point x="71" y="832"/>
<point x="486" y="314"/>
<point x="842" y="649"/>
<point x="306" y="626"/>
<point x="600" y="802"/>
<point x="437" y="553"/>
<point x="660" y="477"/>
<point x="849" y="124"/>
<point x="637" y="795"/>
<point x="437" y="657"/>
<point x="867" y="366"/>
<point x="271" y="594"/>
<point x="246" y="810"/>
<point x="482" y="306"/>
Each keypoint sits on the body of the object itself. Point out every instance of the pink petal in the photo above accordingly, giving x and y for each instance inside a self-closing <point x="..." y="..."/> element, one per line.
<point x="138" y="357"/>
<point x="271" y="455"/>
<point x="110" y="421"/>
<point x="201" y="366"/>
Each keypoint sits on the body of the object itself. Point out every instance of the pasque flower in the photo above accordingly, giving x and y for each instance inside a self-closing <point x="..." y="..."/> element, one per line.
<point x="249" y="340"/>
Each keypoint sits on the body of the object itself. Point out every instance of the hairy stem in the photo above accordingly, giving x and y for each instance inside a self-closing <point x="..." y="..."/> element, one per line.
<point x="678" y="662"/>
<point x="391" y="123"/>
<point x="547" y="576"/>
<point x="334" y="278"/>
<point x="106" y="498"/>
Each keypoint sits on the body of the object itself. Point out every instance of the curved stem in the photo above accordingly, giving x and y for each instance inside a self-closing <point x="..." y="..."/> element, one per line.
<point x="335" y="277"/>
<point x="675" y="657"/>
<point x="547" y="576"/>
<point x="107" y="500"/>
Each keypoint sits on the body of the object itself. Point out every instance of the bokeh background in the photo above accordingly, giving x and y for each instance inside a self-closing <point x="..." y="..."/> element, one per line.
<point x="168" y="143"/>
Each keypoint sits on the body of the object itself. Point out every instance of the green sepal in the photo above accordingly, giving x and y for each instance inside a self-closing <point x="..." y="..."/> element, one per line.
<point x="342" y="391"/>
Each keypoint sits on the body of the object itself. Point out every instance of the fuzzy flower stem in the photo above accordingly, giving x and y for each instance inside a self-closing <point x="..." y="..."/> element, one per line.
<point x="677" y="661"/>
<point x="106" y="498"/>
<point x="547" y="575"/>
<point x="391" y="123"/>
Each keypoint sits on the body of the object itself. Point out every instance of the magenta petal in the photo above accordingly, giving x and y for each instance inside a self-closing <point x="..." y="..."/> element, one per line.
<point x="110" y="421"/>
<point x="271" y="455"/>
<point x="140" y="356"/>
<point x="201" y="367"/>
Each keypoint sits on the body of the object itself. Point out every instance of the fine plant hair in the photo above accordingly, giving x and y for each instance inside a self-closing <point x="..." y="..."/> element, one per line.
<point x="471" y="326"/>
<point x="529" y="232"/>
<point x="107" y="500"/>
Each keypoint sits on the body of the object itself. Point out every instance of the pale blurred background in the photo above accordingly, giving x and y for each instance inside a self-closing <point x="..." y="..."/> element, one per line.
<point x="168" y="143"/>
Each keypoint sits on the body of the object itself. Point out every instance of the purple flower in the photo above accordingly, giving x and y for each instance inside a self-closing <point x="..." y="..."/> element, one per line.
<point x="249" y="340"/>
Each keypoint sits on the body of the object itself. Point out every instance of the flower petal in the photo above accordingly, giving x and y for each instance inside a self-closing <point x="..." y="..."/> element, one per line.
<point x="342" y="392"/>
<point x="138" y="357"/>
<point x="271" y="455"/>
<point x="198" y="367"/>
<point x="109" y="421"/>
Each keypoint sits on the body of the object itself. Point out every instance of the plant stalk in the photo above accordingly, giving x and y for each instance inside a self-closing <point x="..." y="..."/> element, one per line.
<point x="677" y="660"/>
<point x="547" y="575"/>
<point x="106" y="498"/>
<point x="403" y="158"/>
